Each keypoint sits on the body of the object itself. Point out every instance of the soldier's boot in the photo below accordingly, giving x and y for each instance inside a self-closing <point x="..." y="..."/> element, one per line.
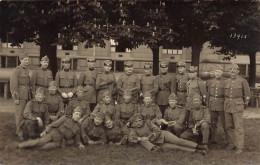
<point x="202" y="147"/>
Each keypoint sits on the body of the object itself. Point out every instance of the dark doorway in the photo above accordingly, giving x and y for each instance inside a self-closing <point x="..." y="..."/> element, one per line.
<point x="119" y="66"/>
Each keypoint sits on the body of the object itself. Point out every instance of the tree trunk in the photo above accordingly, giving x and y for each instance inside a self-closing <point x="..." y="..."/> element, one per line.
<point x="47" y="38"/>
<point x="252" y="68"/>
<point x="155" y="51"/>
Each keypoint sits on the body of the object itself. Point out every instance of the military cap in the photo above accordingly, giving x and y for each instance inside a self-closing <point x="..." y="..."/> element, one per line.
<point x="45" y="58"/>
<point x="197" y="96"/>
<point x="164" y="64"/>
<point x="234" y="65"/>
<point x="147" y="94"/>
<point x="53" y="83"/>
<point x="99" y="115"/>
<point x="40" y="90"/>
<point x="80" y="89"/>
<point x="193" y="69"/>
<point x="128" y="64"/>
<point x="106" y="93"/>
<point x="66" y="60"/>
<point x="77" y="109"/>
<point x="181" y="63"/>
<point x="127" y="93"/>
<point x="107" y="63"/>
<point x="172" y="97"/>
<point x="135" y="117"/>
<point x="91" y="59"/>
<point x="147" y="65"/>
<point x="22" y="56"/>
<point x="218" y="67"/>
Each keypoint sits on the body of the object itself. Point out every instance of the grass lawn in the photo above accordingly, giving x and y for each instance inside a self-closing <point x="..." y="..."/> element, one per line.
<point x="121" y="155"/>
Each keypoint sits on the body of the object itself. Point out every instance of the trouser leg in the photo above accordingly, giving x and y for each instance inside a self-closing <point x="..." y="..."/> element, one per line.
<point x="170" y="146"/>
<point x="171" y="138"/>
<point x="205" y="130"/>
<point x="19" y="120"/>
<point x="35" y="143"/>
<point x="238" y="131"/>
<point x="214" y="123"/>
<point x="188" y="135"/>
<point x="229" y="127"/>
<point x="222" y="119"/>
<point x="178" y="129"/>
<point x="147" y="144"/>
<point x="50" y="145"/>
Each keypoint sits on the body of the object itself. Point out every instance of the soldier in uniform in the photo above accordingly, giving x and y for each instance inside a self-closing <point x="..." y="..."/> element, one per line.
<point x="87" y="79"/>
<point x="116" y="132"/>
<point x="167" y="85"/>
<point x="106" y="82"/>
<point x="198" y="123"/>
<point x="125" y="110"/>
<point x="20" y="90"/>
<point x="36" y="115"/>
<point x="41" y="77"/>
<point x="152" y="138"/>
<point x="54" y="102"/>
<point x="66" y="81"/>
<point x="216" y="88"/>
<point x="93" y="131"/>
<point x="148" y="82"/>
<point x="78" y="101"/>
<point x="128" y="81"/>
<point x="181" y="81"/>
<point x="105" y="107"/>
<point x="64" y="129"/>
<point x="237" y="95"/>
<point x="174" y="116"/>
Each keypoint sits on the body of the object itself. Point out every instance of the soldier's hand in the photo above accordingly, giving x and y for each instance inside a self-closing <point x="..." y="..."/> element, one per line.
<point x="70" y="94"/>
<point x="195" y="131"/>
<point x="91" y="142"/>
<point x="43" y="134"/>
<point x="16" y="102"/>
<point x="144" y="139"/>
<point x="80" y="121"/>
<point x="128" y="124"/>
<point x="39" y="120"/>
<point x="64" y="95"/>
<point x="81" y="146"/>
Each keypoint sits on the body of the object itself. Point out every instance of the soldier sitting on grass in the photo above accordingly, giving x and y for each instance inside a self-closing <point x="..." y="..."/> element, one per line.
<point x="174" y="115"/>
<point x="55" y="134"/>
<point x="36" y="115"/>
<point x="116" y="132"/>
<point x="153" y="139"/>
<point x="93" y="131"/>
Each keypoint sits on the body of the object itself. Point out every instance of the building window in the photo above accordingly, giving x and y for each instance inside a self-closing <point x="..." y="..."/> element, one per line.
<point x="113" y="45"/>
<point x="171" y="51"/>
<point x="9" y="45"/>
<point x="118" y="46"/>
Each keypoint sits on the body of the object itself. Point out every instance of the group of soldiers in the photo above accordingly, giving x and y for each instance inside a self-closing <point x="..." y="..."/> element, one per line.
<point x="162" y="112"/>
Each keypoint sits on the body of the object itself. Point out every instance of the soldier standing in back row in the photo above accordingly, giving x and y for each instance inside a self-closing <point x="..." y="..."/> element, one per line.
<point x="87" y="79"/>
<point x="106" y="82"/>
<point x="42" y="76"/>
<point x="66" y="81"/>
<point x="148" y="82"/>
<point x="20" y="90"/>
<point x="181" y="81"/>
<point x="216" y="88"/>
<point x="237" y="96"/>
<point x="128" y="81"/>
<point x="167" y="85"/>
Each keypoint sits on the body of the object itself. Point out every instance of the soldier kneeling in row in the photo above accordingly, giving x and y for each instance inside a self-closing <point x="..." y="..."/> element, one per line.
<point x="55" y="134"/>
<point x="36" y="116"/>
<point x="152" y="138"/>
<point x="198" y="123"/>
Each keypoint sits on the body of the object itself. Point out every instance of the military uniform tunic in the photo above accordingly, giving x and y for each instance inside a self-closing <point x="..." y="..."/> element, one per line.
<point x="237" y="92"/>
<point x="55" y="105"/>
<point x="117" y="132"/>
<point x="151" y="112"/>
<point x="130" y="82"/>
<point x="149" y="84"/>
<point x="181" y="81"/>
<point x="84" y="105"/>
<point x="106" y="109"/>
<point x="124" y="111"/>
<point x="105" y="82"/>
<point x="66" y="81"/>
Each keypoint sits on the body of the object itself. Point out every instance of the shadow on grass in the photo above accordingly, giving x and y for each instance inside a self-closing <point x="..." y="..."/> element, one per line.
<point x="125" y="155"/>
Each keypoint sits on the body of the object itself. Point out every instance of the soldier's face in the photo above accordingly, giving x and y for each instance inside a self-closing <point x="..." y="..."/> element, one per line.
<point x="181" y="69"/>
<point x="233" y="72"/>
<point x="128" y="70"/>
<point x="107" y="68"/>
<point x="147" y="101"/>
<point x="196" y="103"/>
<point x="98" y="121"/>
<point x="80" y="94"/>
<point x="66" y="65"/>
<point x="91" y="64"/>
<point x="147" y="71"/>
<point x="173" y="103"/>
<point x="192" y="75"/>
<point x="212" y="73"/>
<point x="138" y="123"/>
<point x="44" y="64"/>
<point x="164" y="70"/>
<point x="107" y="99"/>
<point x="218" y="73"/>
<point x="76" y="116"/>
<point x="52" y="89"/>
<point x="25" y="61"/>
<point x="127" y="98"/>
<point x="39" y="97"/>
<point x="109" y="124"/>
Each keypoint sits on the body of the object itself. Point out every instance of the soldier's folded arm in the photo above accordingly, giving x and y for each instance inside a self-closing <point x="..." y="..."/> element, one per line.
<point x="135" y="90"/>
<point x="246" y="91"/>
<point x="132" y="137"/>
<point x="28" y="111"/>
<point x="55" y="124"/>
<point x="120" y="90"/>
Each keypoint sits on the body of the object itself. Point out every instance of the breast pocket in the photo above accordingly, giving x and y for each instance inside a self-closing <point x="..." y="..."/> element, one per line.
<point x="23" y="79"/>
